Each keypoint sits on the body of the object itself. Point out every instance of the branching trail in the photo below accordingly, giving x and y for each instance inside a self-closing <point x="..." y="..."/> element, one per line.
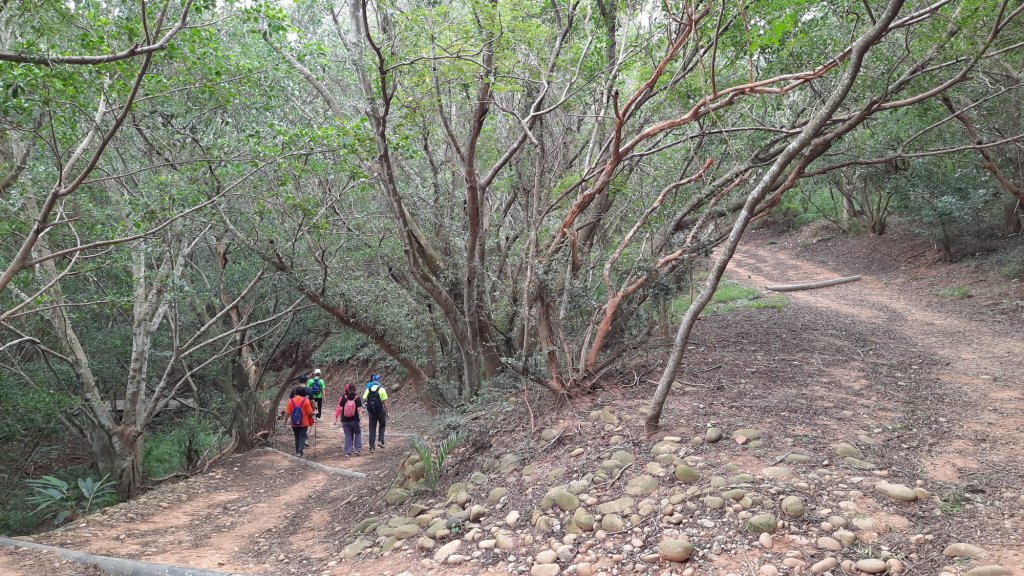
<point x="933" y="383"/>
<point x="982" y="359"/>
<point x="966" y="378"/>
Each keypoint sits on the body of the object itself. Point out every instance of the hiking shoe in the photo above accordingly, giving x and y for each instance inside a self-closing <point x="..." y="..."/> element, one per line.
<point x="348" y="455"/>
<point x="380" y="445"/>
<point x="300" y="455"/>
<point x="371" y="450"/>
<point x="359" y="453"/>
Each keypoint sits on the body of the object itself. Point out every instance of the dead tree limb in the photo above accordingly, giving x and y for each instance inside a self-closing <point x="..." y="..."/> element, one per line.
<point x="812" y="285"/>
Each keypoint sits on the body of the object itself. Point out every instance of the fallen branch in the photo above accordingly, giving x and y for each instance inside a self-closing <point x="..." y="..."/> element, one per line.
<point x="812" y="285"/>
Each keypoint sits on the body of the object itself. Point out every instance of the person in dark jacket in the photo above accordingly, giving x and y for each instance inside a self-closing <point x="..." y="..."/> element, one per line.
<point x="376" y="399"/>
<point x="348" y="412"/>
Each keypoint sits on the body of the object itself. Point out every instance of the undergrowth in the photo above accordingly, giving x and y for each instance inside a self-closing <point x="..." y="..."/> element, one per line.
<point x="731" y="296"/>
<point x="178" y="446"/>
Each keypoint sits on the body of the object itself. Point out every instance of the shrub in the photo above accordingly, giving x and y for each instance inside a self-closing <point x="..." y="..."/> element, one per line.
<point x="67" y="502"/>
<point x="178" y="446"/>
<point x="432" y="463"/>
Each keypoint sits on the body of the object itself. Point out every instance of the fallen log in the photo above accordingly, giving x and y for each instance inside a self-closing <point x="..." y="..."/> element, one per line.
<point x="812" y="285"/>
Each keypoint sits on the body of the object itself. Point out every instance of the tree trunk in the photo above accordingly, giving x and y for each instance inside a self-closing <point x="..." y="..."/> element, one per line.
<point x="1013" y="217"/>
<point x="119" y="454"/>
<point x="271" y="410"/>
<point x="768" y="182"/>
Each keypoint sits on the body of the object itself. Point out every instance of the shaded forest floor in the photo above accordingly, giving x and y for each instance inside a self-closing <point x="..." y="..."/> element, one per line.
<point x="923" y="378"/>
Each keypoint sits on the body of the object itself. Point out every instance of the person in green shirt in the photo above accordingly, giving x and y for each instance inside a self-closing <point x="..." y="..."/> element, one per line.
<point x="375" y="398"/>
<point x="315" y="386"/>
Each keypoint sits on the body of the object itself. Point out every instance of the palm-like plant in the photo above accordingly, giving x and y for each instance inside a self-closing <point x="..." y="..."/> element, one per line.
<point x="432" y="464"/>
<point x="67" y="502"/>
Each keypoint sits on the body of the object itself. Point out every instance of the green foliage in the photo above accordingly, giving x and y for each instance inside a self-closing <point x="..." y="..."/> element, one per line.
<point x="178" y="446"/>
<point x="66" y="501"/>
<point x="958" y="293"/>
<point x="345" y="347"/>
<point x="1013" y="271"/>
<point x="954" y="500"/>
<point x="16" y="518"/>
<point x="433" y="460"/>
<point x="730" y="296"/>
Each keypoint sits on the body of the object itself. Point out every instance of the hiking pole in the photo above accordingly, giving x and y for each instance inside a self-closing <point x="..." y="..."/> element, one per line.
<point x="314" y="441"/>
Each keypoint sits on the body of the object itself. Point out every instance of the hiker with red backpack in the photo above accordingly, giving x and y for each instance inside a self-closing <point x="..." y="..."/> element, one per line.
<point x="300" y="415"/>
<point x="348" y="411"/>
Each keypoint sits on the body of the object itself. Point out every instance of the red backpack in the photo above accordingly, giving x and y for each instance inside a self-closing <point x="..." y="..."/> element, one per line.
<point x="348" y="407"/>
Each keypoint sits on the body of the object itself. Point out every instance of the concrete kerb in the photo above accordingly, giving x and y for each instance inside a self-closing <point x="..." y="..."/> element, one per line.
<point x="115" y="566"/>
<point x="317" y="465"/>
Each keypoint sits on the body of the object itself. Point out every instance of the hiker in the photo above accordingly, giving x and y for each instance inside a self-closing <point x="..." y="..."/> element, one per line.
<point x="348" y="411"/>
<point x="375" y="379"/>
<point x="376" y="399"/>
<point x="299" y="413"/>
<point x="315" y="386"/>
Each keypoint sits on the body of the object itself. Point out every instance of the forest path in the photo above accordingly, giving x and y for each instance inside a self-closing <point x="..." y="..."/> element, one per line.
<point x="930" y="388"/>
<point x="941" y="379"/>
<point x="253" y="514"/>
<point x="975" y="356"/>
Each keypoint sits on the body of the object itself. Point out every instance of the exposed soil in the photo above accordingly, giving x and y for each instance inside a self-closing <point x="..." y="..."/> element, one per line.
<point x="929" y="386"/>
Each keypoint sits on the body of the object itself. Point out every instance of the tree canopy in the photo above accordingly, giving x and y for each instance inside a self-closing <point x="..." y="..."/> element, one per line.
<point x="198" y="194"/>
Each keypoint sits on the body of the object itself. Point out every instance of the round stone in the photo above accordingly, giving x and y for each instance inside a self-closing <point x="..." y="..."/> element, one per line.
<point x="793" y="506"/>
<point x="745" y="435"/>
<point x="641" y="485"/>
<point x="824" y="565"/>
<point x="675" y="550"/>
<point x="714" y="502"/>
<point x="871" y="565"/>
<point x="838" y="521"/>
<point x="847" y="450"/>
<point x="564" y="499"/>
<point x="665" y="447"/>
<point x="964" y="550"/>
<point x="897" y="492"/>
<point x="990" y="571"/>
<point x="547" y="557"/>
<point x="545" y="570"/>
<point x="686" y="475"/>
<point x="762" y="523"/>
<point x="826" y="543"/>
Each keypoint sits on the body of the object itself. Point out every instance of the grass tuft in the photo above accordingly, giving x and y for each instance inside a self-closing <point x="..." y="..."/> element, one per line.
<point x="729" y="297"/>
<point x="955" y="293"/>
<point x="1014" y="272"/>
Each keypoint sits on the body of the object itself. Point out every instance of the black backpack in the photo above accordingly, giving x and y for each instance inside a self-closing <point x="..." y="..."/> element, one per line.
<point x="373" y="402"/>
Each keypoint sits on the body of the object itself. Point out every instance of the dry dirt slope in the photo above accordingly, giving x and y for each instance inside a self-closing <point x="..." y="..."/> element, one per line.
<point x="926" y="390"/>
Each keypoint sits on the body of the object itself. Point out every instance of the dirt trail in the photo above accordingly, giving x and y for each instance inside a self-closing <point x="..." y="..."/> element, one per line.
<point x="979" y="359"/>
<point x="929" y="389"/>
<point x="248" y="516"/>
<point x="945" y="383"/>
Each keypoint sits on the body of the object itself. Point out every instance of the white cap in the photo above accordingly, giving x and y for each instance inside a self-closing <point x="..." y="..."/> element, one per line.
<point x="317" y="371"/>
